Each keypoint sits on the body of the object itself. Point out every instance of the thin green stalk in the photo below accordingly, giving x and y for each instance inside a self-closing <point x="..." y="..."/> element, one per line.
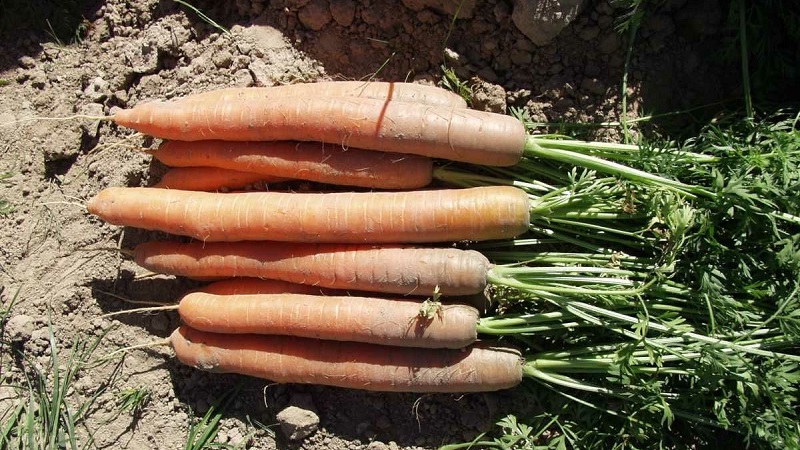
<point x="748" y="100"/>
<point x="533" y="149"/>
<point x="688" y="334"/>
<point x="613" y="150"/>
<point x="634" y="28"/>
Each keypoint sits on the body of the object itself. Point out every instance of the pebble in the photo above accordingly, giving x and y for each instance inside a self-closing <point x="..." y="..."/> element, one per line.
<point x="297" y="423"/>
<point x="377" y="445"/>
<point x="315" y="15"/>
<point x="20" y="327"/>
<point x="27" y="62"/>
<point x="343" y="11"/>
<point x="222" y="59"/>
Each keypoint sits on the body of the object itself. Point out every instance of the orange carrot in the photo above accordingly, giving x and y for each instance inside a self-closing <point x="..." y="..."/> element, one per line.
<point x="376" y="320"/>
<point x="483" y="213"/>
<point x="389" y="269"/>
<point x="441" y="132"/>
<point x="381" y="90"/>
<point x="315" y="161"/>
<point x="355" y="365"/>
<point x="211" y="179"/>
<point x="248" y="286"/>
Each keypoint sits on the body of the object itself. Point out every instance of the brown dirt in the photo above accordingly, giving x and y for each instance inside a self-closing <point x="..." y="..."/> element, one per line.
<point x="138" y="51"/>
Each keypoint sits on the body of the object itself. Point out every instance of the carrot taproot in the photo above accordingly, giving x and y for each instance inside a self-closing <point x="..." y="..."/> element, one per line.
<point x="314" y="161"/>
<point x="441" y="132"/>
<point x="394" y="269"/>
<point x="355" y="365"/>
<point x="380" y="90"/>
<point x="482" y="213"/>
<point x="211" y="179"/>
<point x="249" y="285"/>
<point x="376" y="320"/>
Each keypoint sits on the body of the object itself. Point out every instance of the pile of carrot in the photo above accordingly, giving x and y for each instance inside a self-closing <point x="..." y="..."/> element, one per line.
<point x="345" y="287"/>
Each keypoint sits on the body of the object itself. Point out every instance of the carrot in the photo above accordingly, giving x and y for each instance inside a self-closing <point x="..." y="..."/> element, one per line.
<point x="315" y="161"/>
<point x="248" y="286"/>
<point x="389" y="269"/>
<point x="376" y="320"/>
<point x="381" y="90"/>
<point x="210" y="179"/>
<point x="483" y="213"/>
<point x="441" y="132"/>
<point x="355" y="365"/>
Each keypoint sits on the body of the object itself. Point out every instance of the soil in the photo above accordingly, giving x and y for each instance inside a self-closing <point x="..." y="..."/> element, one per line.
<point x="52" y="254"/>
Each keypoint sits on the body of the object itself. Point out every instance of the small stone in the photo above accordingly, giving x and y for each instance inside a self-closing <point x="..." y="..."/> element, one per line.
<point x="343" y="11"/>
<point x="236" y="439"/>
<point x="488" y="97"/>
<point x="20" y="327"/>
<point x="222" y="59"/>
<point x="260" y="73"/>
<point x="242" y="78"/>
<point x="452" y="56"/>
<point x="38" y="78"/>
<point x="315" y="15"/>
<point x="377" y="445"/>
<point x="27" y="62"/>
<point x="298" y="423"/>
<point x="97" y="90"/>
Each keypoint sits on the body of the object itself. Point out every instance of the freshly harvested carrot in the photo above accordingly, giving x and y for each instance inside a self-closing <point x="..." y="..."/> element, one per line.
<point x="314" y="161"/>
<point x="211" y="179"/>
<point x="392" y="269"/>
<point x="376" y="320"/>
<point x="483" y="213"/>
<point x="380" y="90"/>
<point x="355" y="365"/>
<point x="441" y="132"/>
<point x="250" y="286"/>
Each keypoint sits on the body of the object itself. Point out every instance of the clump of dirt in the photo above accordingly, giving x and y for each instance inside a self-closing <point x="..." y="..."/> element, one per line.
<point x="55" y="258"/>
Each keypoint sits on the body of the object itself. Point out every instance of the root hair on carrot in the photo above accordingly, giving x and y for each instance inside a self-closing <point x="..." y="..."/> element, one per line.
<point x="158" y="343"/>
<point x="139" y="310"/>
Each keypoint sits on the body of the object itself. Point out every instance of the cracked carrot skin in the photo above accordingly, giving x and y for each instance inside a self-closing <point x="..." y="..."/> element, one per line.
<point x="381" y="90"/>
<point x="393" y="269"/>
<point x="314" y="161"/>
<point x="354" y="365"/>
<point x="444" y="215"/>
<point x="455" y="134"/>
<point x="211" y="179"/>
<point x="375" y="320"/>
